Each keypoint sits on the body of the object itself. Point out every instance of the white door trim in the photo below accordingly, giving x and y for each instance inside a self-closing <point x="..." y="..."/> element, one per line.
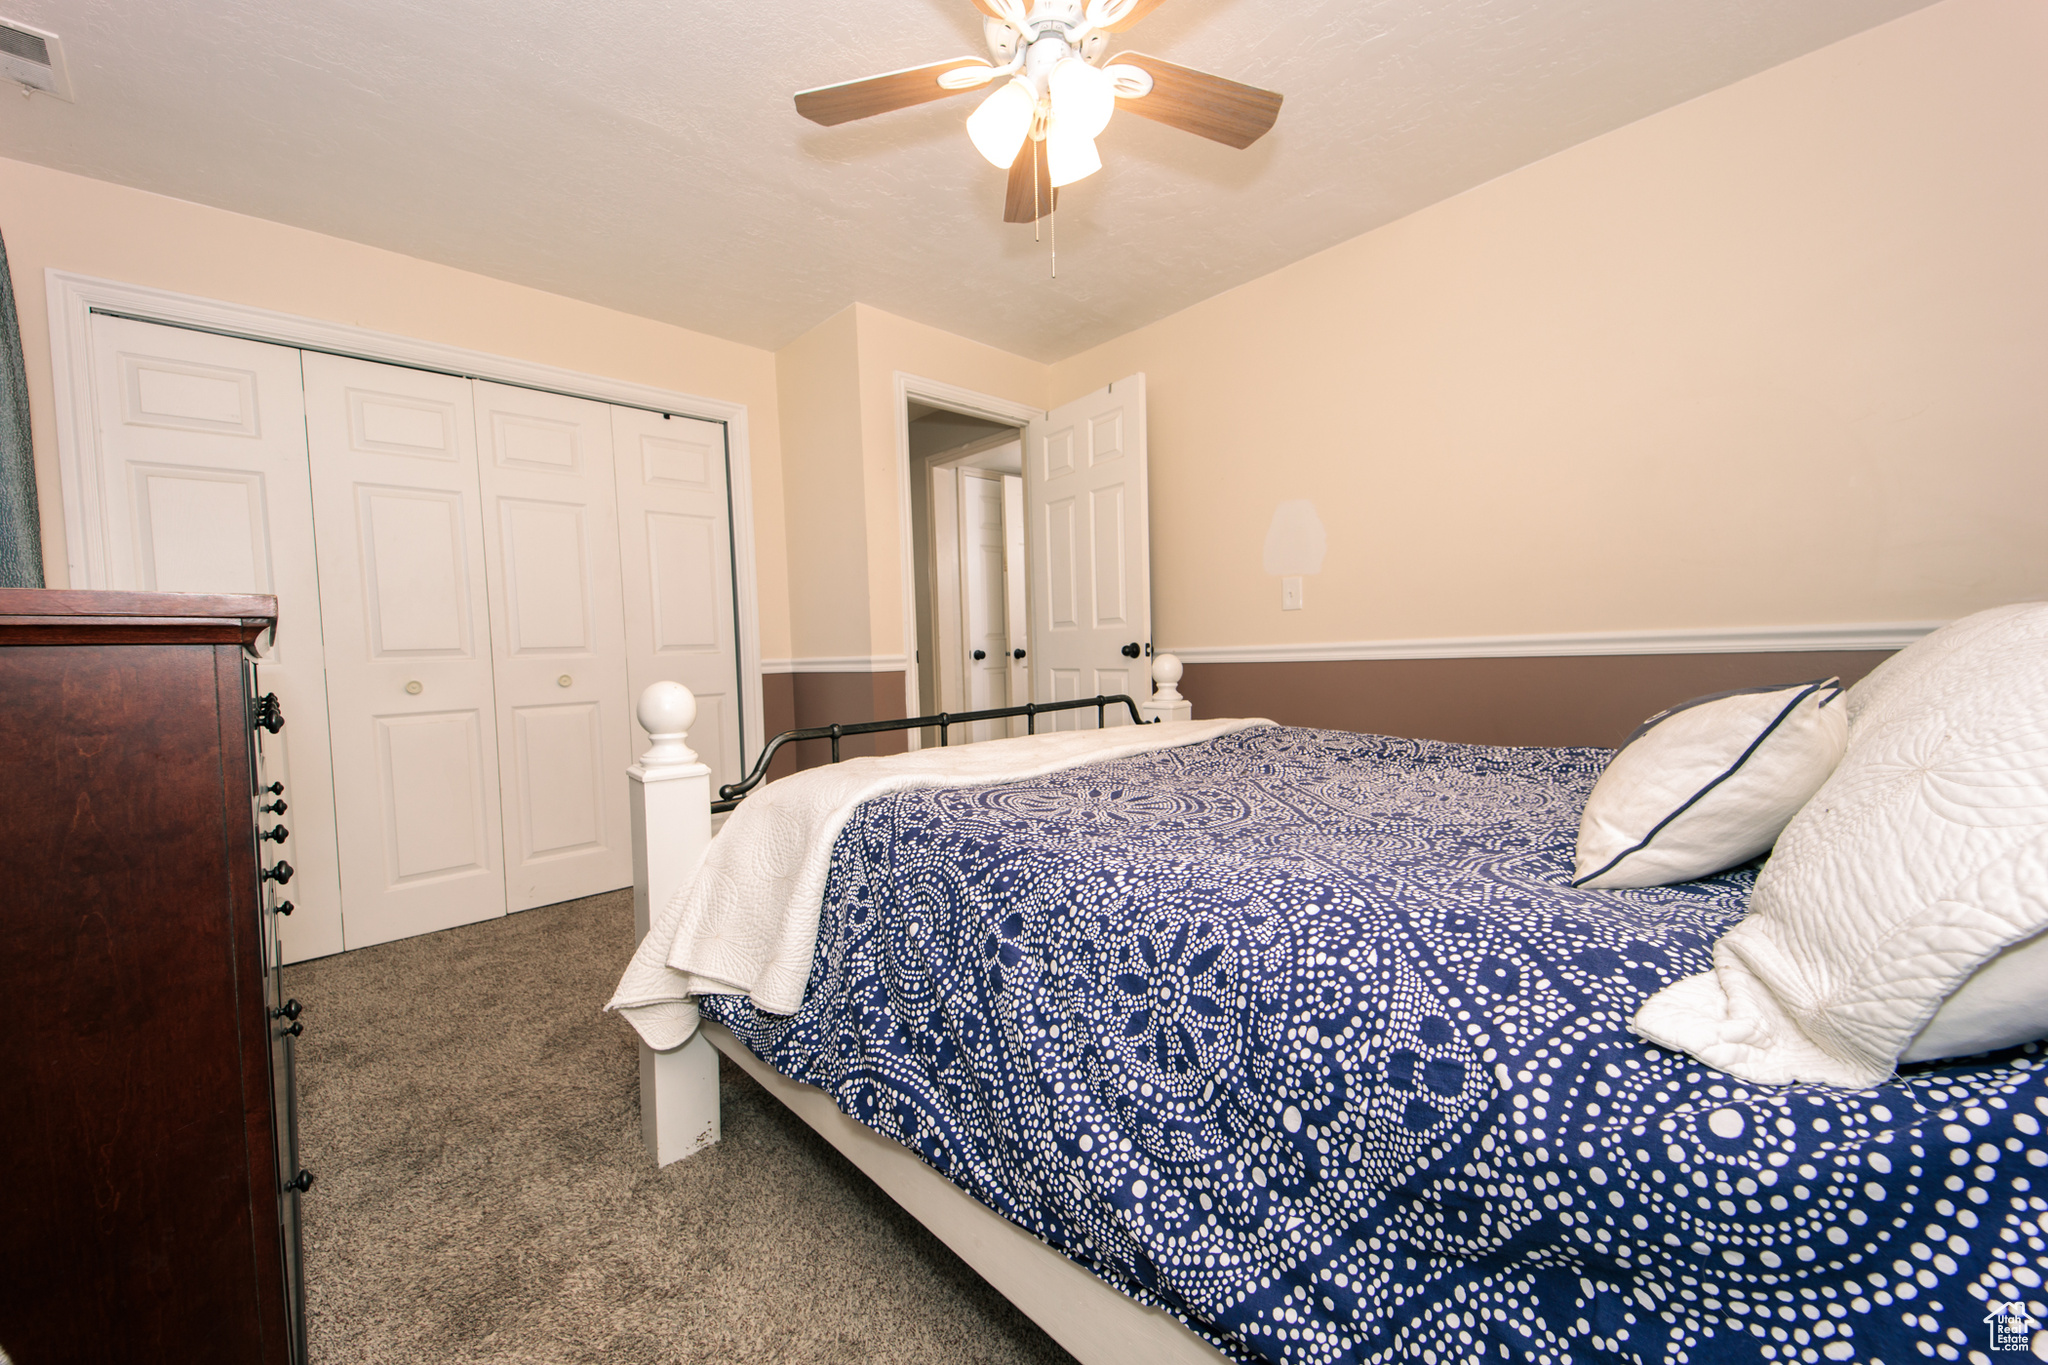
<point x="73" y="299"/>
<point x="953" y="398"/>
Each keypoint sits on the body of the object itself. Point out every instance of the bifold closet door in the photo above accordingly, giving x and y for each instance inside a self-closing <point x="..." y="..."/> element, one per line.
<point x="675" y="542"/>
<point x="202" y="478"/>
<point x="398" y="514"/>
<point x="558" y="635"/>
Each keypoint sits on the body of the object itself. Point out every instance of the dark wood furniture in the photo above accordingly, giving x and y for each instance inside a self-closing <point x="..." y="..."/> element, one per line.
<point x="151" y="1182"/>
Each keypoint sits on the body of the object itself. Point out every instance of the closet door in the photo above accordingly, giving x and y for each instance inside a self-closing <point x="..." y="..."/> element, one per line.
<point x="398" y="514"/>
<point x="203" y="488"/>
<point x="675" y="542"/>
<point x="558" y="643"/>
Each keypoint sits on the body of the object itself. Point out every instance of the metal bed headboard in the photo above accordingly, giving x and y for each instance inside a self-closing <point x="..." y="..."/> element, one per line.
<point x="733" y="793"/>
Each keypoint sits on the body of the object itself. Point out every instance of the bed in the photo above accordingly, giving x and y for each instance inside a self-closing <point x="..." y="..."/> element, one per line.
<point x="1302" y="1042"/>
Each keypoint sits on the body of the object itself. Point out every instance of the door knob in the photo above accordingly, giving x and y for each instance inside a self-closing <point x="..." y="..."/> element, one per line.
<point x="283" y="907"/>
<point x="980" y="654"/>
<point x="301" y="1182"/>
<point x="277" y="832"/>
<point x="269" y="713"/>
<point x="414" y="688"/>
<point x="1131" y="650"/>
<point x="565" y="681"/>
<point x="274" y="808"/>
<point x="275" y="789"/>
<point x="1016" y="653"/>
<point x="280" y="874"/>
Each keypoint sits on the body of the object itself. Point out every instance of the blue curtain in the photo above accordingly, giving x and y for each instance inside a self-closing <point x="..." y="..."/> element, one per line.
<point x="21" y="543"/>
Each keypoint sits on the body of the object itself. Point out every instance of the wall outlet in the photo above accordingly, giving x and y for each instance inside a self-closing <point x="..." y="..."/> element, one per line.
<point x="1290" y="594"/>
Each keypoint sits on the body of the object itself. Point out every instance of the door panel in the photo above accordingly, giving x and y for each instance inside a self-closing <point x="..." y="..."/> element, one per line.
<point x="436" y="817"/>
<point x="202" y="456"/>
<point x="559" y="642"/>
<point x="675" y="553"/>
<point x="547" y="578"/>
<point x="567" y="814"/>
<point x="1016" y="576"/>
<point x="1085" y="500"/>
<point x="399" y="515"/>
<point x="982" y="557"/>
<point x="414" y="564"/>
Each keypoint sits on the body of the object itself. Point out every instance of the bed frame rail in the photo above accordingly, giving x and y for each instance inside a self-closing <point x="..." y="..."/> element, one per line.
<point x="731" y="794"/>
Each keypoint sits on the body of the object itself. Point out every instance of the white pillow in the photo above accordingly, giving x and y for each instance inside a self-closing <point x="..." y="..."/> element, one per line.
<point x="1708" y="784"/>
<point x="1923" y="859"/>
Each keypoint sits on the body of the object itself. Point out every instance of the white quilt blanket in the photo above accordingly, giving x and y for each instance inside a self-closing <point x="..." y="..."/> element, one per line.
<point x="746" y="921"/>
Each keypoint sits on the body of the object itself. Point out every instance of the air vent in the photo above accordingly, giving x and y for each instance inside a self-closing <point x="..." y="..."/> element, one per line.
<point x="34" y="58"/>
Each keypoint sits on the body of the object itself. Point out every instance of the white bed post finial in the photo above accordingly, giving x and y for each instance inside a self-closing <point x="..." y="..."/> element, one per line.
<point x="667" y="711"/>
<point x="671" y="809"/>
<point x="1166" y="702"/>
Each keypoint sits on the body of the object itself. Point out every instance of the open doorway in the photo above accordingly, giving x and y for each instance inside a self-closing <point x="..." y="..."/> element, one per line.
<point x="968" y="571"/>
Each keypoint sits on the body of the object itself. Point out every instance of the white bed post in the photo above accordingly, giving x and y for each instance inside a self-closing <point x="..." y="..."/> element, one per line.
<point x="1166" y="702"/>
<point x="671" y="800"/>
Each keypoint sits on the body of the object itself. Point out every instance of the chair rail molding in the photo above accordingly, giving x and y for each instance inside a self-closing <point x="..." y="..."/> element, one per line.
<point x="1708" y="640"/>
<point x="74" y="298"/>
<point x="848" y="663"/>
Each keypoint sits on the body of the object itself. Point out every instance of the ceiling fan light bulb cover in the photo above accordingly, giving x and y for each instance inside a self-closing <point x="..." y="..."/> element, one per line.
<point x="1084" y="96"/>
<point x="1070" y="154"/>
<point x="998" y="128"/>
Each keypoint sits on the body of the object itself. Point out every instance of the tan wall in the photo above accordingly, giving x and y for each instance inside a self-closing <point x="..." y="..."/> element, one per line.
<point x="50" y="219"/>
<point x="1775" y="356"/>
<point x="889" y="345"/>
<point x="843" y="499"/>
<point x="825" y="491"/>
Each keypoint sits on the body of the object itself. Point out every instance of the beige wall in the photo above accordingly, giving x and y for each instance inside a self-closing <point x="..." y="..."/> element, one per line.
<point x="53" y="219"/>
<point x="1772" y="357"/>
<point x="890" y="345"/>
<point x="1776" y="356"/>
<point x="843" y="500"/>
<point x="825" y="497"/>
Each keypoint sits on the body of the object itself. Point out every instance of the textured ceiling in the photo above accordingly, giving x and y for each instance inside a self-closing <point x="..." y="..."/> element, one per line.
<point x="645" y="156"/>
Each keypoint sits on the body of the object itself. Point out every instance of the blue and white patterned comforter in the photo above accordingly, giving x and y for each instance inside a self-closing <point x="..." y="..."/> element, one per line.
<point x="1303" y="1035"/>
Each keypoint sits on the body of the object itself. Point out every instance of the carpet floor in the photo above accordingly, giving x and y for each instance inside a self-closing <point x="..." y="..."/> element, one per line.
<point x="474" y="1123"/>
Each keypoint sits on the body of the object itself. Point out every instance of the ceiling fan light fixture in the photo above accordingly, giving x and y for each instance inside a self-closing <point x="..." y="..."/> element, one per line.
<point x="1070" y="153"/>
<point x="998" y="128"/>
<point x="1083" y="95"/>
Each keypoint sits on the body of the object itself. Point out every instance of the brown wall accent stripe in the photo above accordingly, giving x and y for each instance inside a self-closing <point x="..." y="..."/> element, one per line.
<point x="1583" y="699"/>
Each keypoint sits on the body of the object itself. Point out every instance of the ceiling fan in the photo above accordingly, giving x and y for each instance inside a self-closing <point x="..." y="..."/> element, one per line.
<point x="1056" y="94"/>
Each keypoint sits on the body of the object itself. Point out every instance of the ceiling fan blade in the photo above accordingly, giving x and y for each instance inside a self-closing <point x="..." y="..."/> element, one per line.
<point x="1208" y="106"/>
<point x="834" y="104"/>
<point x="1022" y="204"/>
<point x="1137" y="12"/>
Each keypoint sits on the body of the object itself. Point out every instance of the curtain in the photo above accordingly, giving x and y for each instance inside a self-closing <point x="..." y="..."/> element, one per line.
<point x="21" y="545"/>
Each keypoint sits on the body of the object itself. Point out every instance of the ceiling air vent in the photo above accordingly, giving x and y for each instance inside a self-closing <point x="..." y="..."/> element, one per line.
<point x="34" y="58"/>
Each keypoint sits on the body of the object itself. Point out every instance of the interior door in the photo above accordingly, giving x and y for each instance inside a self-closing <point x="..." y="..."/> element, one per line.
<point x="202" y="463"/>
<point x="675" y="550"/>
<point x="985" y="628"/>
<point x="558" y="642"/>
<point x="398" y="514"/>
<point x="1016" y="583"/>
<point x="1091" y="587"/>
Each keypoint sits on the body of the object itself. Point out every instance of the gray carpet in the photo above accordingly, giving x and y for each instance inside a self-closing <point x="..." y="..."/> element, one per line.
<point x="483" y="1195"/>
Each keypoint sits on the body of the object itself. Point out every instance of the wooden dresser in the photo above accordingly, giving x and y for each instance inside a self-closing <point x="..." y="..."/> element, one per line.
<point x="151" y="1203"/>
